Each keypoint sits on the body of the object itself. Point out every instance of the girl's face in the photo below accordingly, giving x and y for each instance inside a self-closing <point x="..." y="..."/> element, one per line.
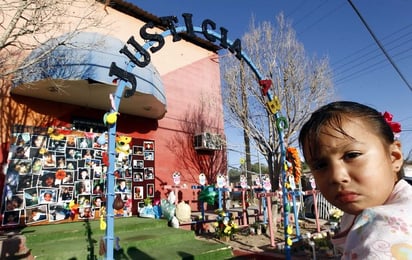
<point x="355" y="173"/>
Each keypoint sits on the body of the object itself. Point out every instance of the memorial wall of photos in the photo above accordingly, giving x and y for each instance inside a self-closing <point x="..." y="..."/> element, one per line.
<point x="49" y="172"/>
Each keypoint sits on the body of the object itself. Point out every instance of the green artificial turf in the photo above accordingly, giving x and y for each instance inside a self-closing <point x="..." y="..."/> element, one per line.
<point x="139" y="238"/>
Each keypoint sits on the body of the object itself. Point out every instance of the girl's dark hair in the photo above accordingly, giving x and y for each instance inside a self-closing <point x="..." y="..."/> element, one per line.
<point x="332" y="115"/>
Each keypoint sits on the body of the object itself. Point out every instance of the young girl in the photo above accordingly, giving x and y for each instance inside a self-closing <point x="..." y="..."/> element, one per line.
<point x="357" y="165"/>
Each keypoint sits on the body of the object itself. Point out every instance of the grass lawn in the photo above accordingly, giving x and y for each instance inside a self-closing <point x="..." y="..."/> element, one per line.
<point x="139" y="238"/>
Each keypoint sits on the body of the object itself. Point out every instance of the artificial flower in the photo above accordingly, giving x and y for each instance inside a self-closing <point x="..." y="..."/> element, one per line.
<point x="60" y="174"/>
<point x="395" y="126"/>
<point x="225" y="225"/>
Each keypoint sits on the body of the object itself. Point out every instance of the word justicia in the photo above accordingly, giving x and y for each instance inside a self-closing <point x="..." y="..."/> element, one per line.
<point x="171" y="23"/>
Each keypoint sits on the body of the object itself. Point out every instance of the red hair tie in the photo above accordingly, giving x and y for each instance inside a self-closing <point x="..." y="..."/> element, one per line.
<point x="396" y="127"/>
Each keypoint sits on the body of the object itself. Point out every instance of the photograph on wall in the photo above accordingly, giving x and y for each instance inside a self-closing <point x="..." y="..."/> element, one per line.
<point x="19" y="152"/>
<point x="86" y="212"/>
<point x="66" y="193"/>
<point x="83" y="187"/>
<point x="49" y="159"/>
<point x="148" y="146"/>
<point x="70" y="141"/>
<point x="15" y="202"/>
<point x="21" y="138"/>
<point x="47" y="179"/>
<point x="83" y="174"/>
<point x="97" y="201"/>
<point x="150" y="190"/>
<point x="87" y="153"/>
<point x="36" y="166"/>
<point x="138" y="164"/>
<point x="39" y="141"/>
<point x="36" y="214"/>
<point x="123" y="185"/>
<point x="137" y="176"/>
<point x="140" y="205"/>
<point x="98" y="187"/>
<point x="20" y="166"/>
<point x="84" y="200"/>
<point x="60" y="160"/>
<point x="47" y="171"/>
<point x="149" y="156"/>
<point x="11" y="218"/>
<point x="138" y="192"/>
<point x="47" y="195"/>
<point x="57" y="145"/>
<point x="31" y="197"/>
<point x="148" y="173"/>
<point x="97" y="172"/>
<point x="25" y="181"/>
<point x="57" y="212"/>
<point x="127" y="173"/>
<point x="84" y="142"/>
<point x="138" y="150"/>
<point x="69" y="178"/>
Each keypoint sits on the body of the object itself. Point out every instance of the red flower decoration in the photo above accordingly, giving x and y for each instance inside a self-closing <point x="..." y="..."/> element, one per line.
<point x="60" y="174"/>
<point x="396" y="127"/>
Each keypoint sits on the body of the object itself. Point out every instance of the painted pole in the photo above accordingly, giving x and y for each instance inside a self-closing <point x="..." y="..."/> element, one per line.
<point x="112" y="129"/>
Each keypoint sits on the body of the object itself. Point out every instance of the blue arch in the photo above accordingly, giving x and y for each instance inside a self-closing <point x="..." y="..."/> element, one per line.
<point x="112" y="136"/>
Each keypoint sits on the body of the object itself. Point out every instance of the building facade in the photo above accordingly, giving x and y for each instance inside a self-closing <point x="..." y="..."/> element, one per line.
<point x="55" y="116"/>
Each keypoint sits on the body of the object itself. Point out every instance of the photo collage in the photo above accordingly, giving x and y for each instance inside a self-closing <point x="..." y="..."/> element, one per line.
<point x="48" y="172"/>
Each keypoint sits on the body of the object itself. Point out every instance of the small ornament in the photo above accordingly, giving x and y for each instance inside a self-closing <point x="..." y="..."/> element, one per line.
<point x="202" y="179"/>
<point x="176" y="178"/>
<point x="243" y="181"/>
<point x="221" y="180"/>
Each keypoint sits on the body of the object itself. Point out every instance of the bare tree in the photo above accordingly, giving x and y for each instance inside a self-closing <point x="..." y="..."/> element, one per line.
<point x="300" y="84"/>
<point x="38" y="28"/>
<point x="198" y="119"/>
<point x="28" y="24"/>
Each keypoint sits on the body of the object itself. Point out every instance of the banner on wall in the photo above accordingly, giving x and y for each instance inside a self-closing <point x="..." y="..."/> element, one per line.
<point x="50" y="170"/>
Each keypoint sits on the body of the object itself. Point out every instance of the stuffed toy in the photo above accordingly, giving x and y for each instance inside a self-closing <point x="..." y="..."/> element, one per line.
<point x="123" y="147"/>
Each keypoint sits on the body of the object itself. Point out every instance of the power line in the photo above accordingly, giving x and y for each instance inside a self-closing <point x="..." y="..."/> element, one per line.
<point x="356" y="63"/>
<point x="380" y="45"/>
<point x="321" y="18"/>
<point x="369" y="68"/>
<point x="367" y="47"/>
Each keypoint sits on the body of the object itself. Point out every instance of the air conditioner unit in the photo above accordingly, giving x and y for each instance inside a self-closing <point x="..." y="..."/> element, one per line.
<point x="207" y="141"/>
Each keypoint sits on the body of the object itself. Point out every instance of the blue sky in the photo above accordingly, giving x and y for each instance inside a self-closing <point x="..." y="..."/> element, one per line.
<point x="327" y="28"/>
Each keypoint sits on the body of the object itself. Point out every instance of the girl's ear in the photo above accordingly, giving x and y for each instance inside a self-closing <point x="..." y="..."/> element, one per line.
<point x="396" y="155"/>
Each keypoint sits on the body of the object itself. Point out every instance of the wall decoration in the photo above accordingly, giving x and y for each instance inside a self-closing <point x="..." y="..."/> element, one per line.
<point x="137" y="176"/>
<point x="150" y="190"/>
<point x="148" y="173"/>
<point x="138" y="164"/>
<point x="49" y="168"/>
<point x="149" y="156"/>
<point x="148" y="146"/>
<point x="138" y="192"/>
<point x="138" y="150"/>
<point x="11" y="218"/>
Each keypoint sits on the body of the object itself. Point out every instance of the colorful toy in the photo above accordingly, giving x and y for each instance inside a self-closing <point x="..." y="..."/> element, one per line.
<point x="123" y="147"/>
